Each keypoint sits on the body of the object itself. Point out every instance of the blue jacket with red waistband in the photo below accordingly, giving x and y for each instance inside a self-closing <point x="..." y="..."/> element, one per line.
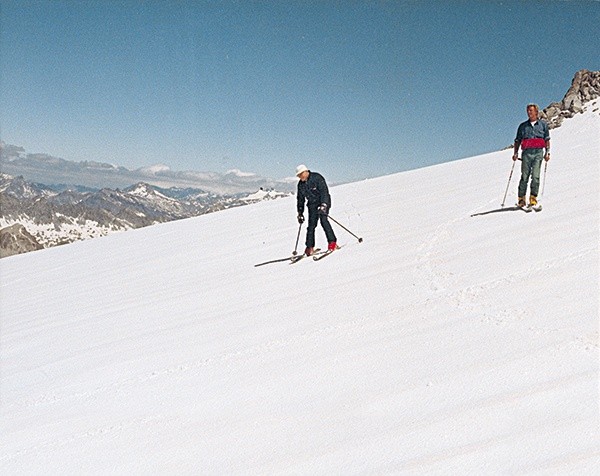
<point x="533" y="136"/>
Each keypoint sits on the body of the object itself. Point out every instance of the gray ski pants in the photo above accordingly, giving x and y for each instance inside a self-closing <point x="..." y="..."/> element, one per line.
<point x="531" y="164"/>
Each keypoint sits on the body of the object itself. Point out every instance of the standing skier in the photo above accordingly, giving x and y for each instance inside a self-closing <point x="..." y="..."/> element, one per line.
<point x="312" y="188"/>
<point x="533" y="137"/>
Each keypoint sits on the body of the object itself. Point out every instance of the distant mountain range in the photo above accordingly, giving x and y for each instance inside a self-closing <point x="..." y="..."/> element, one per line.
<point x="47" y="201"/>
<point x="35" y="216"/>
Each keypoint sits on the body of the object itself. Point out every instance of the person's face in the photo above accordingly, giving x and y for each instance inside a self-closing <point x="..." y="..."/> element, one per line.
<point x="532" y="113"/>
<point x="303" y="176"/>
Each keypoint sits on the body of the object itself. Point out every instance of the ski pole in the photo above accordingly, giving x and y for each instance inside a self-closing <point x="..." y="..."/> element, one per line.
<point x="544" y="182"/>
<point x="359" y="239"/>
<point x="295" y="252"/>
<point x="508" y="184"/>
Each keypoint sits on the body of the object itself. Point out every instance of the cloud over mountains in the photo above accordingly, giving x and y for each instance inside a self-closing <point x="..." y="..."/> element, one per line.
<point x="44" y="168"/>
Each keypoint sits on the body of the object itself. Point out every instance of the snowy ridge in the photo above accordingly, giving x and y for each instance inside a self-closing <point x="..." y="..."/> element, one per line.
<point x="442" y="344"/>
<point x="264" y="195"/>
<point x="145" y="191"/>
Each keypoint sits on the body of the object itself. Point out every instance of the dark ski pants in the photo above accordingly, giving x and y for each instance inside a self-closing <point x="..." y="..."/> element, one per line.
<point x="313" y="219"/>
<point x="531" y="164"/>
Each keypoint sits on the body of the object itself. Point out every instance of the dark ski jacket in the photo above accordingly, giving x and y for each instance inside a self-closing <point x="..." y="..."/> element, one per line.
<point x="315" y="191"/>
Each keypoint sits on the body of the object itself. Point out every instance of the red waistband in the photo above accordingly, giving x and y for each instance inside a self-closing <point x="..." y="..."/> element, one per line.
<point x="533" y="144"/>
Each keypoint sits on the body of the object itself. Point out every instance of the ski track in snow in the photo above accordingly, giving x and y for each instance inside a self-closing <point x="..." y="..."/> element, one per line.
<point x="472" y="298"/>
<point x="447" y="343"/>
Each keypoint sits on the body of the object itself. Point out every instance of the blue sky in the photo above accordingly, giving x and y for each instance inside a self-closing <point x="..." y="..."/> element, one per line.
<point x="353" y="89"/>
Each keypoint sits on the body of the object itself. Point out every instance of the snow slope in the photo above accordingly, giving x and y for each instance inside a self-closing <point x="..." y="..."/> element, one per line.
<point x="445" y="343"/>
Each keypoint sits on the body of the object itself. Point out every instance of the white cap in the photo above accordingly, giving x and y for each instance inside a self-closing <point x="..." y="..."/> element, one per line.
<point x="301" y="168"/>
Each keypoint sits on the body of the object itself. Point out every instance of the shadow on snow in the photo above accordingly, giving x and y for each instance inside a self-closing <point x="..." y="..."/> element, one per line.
<point x="497" y="210"/>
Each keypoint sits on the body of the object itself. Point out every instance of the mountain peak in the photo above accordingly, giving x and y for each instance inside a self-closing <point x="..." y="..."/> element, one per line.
<point x="19" y="188"/>
<point x="140" y="188"/>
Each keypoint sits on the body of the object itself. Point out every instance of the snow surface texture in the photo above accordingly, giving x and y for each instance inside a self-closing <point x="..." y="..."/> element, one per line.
<point x="442" y="344"/>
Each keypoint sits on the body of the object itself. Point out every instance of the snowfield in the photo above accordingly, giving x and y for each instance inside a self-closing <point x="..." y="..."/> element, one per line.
<point x="445" y="343"/>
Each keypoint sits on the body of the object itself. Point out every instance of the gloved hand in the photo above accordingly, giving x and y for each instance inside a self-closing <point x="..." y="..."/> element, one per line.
<point x="323" y="209"/>
<point x="300" y="218"/>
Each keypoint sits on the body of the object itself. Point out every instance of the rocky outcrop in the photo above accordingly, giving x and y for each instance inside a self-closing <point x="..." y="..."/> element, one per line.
<point x="584" y="88"/>
<point x="15" y="240"/>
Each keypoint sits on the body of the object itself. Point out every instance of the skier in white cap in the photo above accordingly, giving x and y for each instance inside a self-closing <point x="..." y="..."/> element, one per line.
<point x="313" y="190"/>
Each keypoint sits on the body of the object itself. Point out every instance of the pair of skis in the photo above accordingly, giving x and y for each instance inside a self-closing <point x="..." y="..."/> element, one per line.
<point x="316" y="256"/>
<point x="531" y="208"/>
